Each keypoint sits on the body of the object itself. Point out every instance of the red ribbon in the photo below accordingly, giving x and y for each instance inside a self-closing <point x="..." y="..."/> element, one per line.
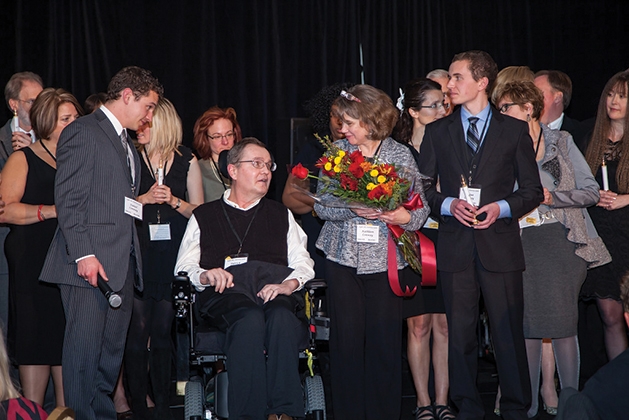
<point x="427" y="250"/>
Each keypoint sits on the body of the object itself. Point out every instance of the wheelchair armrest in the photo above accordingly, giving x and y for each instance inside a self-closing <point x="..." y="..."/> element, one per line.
<point x="315" y="284"/>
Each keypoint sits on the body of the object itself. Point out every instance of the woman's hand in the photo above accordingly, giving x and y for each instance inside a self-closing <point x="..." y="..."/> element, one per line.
<point x="612" y="201"/>
<point x="371" y="214"/>
<point x="399" y="216"/>
<point x="548" y="198"/>
<point x="157" y="194"/>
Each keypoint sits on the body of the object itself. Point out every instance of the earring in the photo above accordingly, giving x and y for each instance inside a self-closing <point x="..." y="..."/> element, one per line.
<point x="15" y="112"/>
<point x="528" y="117"/>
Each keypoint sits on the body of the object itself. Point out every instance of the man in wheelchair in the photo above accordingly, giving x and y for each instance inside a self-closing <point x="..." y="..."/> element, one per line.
<point x="248" y="256"/>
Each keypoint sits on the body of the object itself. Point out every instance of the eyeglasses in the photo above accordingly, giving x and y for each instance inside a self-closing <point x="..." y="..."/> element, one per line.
<point x="228" y="136"/>
<point x="435" y="106"/>
<point x="259" y="164"/>
<point x="505" y="107"/>
<point x="28" y="102"/>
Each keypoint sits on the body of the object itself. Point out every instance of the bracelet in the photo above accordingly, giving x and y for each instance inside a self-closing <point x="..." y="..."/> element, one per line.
<point x="178" y="204"/>
<point x="40" y="215"/>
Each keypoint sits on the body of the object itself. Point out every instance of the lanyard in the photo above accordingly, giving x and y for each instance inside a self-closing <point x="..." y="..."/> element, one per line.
<point x="217" y="172"/>
<point x="240" y="241"/>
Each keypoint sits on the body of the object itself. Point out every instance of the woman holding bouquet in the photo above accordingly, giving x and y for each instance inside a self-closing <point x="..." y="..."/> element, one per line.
<point x="366" y="330"/>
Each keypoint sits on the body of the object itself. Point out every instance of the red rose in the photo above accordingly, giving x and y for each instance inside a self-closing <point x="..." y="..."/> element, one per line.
<point x="356" y="170"/>
<point x="357" y="156"/>
<point x="376" y="193"/>
<point x="299" y="171"/>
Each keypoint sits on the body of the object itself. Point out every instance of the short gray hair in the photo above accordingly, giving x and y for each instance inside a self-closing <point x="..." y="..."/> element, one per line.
<point x="437" y="74"/>
<point x="14" y="85"/>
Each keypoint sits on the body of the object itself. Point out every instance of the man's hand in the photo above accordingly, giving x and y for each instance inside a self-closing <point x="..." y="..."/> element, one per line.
<point x="20" y="140"/>
<point x="218" y="278"/>
<point x="492" y="210"/>
<point x="271" y="291"/>
<point x="463" y="211"/>
<point x="89" y="268"/>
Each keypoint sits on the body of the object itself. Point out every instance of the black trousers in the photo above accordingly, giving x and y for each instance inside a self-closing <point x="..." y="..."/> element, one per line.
<point x="365" y="345"/>
<point x="260" y="385"/>
<point x="503" y="297"/>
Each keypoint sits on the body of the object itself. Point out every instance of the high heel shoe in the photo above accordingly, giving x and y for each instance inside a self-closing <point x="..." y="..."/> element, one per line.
<point x="550" y="410"/>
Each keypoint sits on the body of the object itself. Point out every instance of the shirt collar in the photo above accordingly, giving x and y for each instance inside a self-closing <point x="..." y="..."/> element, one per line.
<point x="117" y="126"/>
<point x="556" y="125"/>
<point x="482" y="116"/>
<point x="226" y="195"/>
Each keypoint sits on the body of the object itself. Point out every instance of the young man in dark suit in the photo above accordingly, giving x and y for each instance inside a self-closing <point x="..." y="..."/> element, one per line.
<point x="98" y="173"/>
<point x="487" y="159"/>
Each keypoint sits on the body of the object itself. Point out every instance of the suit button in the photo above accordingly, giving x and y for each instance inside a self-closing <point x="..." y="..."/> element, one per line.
<point x="473" y="166"/>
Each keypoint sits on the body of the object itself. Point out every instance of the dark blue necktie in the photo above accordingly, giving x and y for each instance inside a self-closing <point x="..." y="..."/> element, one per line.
<point x="472" y="135"/>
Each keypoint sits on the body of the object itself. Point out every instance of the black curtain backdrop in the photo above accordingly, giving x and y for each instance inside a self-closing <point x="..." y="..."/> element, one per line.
<point x="265" y="58"/>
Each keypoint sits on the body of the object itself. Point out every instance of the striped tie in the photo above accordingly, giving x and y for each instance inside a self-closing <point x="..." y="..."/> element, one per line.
<point x="130" y="162"/>
<point x="472" y="135"/>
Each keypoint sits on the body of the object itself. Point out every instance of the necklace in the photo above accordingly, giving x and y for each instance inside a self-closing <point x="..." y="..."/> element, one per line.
<point x="47" y="151"/>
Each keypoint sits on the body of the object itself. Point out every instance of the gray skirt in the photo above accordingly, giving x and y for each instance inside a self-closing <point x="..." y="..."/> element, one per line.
<point x="552" y="281"/>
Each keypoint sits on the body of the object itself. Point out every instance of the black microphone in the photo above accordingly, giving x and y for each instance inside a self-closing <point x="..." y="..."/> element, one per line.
<point x="112" y="297"/>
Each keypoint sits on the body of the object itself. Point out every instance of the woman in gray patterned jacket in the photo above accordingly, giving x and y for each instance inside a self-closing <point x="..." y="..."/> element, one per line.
<point x="366" y="330"/>
<point x="559" y="240"/>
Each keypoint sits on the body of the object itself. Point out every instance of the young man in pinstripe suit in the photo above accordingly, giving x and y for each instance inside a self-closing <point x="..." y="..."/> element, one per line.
<point x="98" y="173"/>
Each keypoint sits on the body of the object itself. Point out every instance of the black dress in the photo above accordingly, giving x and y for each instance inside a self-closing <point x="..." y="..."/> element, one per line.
<point x="37" y="320"/>
<point x="613" y="228"/>
<point x="159" y="257"/>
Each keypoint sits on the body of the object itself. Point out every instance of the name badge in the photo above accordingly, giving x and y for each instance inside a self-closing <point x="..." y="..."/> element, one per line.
<point x="133" y="208"/>
<point x="431" y="223"/>
<point x="236" y="259"/>
<point x="531" y="219"/>
<point x="159" y="231"/>
<point x="367" y="233"/>
<point x="474" y="195"/>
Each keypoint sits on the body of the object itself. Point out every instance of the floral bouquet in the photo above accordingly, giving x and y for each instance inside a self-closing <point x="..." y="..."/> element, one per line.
<point x="357" y="182"/>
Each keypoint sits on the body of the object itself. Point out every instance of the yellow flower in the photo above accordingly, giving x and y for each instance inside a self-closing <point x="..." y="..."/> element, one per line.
<point x="381" y="179"/>
<point x="337" y="169"/>
<point x="341" y="153"/>
<point x="337" y="160"/>
<point x="370" y="186"/>
<point x="374" y="173"/>
<point x="328" y="166"/>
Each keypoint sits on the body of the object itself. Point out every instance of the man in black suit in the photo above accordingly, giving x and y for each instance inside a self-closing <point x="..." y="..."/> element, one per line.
<point x="557" y="89"/>
<point x="479" y="247"/>
<point x="98" y="174"/>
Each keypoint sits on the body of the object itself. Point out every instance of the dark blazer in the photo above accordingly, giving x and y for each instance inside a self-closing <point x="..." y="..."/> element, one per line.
<point x="91" y="184"/>
<point x="6" y="148"/>
<point x="577" y="130"/>
<point x="506" y="157"/>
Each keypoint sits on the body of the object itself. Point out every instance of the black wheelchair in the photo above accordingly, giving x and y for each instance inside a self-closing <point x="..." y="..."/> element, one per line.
<point x="208" y="370"/>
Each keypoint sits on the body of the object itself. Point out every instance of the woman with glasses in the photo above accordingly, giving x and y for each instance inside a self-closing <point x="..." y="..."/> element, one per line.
<point x="558" y="238"/>
<point x="216" y="130"/>
<point x="170" y="190"/>
<point x="366" y="316"/>
<point x="421" y="103"/>
<point x="610" y="144"/>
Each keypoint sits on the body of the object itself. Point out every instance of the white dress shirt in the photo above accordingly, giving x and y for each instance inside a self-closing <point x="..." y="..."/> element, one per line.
<point x="298" y="257"/>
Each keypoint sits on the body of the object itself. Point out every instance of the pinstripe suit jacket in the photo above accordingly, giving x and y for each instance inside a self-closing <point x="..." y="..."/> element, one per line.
<point x="91" y="184"/>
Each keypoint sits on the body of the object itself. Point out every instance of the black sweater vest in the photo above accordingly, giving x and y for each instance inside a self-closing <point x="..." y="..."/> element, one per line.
<point x="266" y="240"/>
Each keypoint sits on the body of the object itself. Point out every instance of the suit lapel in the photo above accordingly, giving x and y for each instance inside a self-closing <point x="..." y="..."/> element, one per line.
<point x="458" y="141"/>
<point x="109" y="130"/>
<point x="492" y="139"/>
